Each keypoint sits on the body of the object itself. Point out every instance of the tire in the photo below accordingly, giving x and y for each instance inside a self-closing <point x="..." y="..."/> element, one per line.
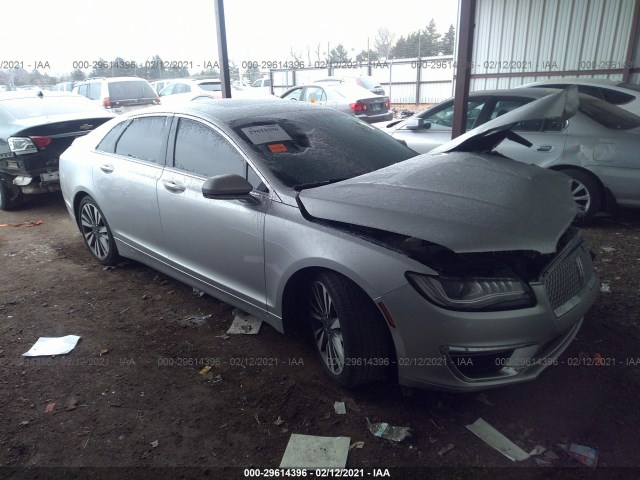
<point x="586" y="192"/>
<point x="96" y="232"/>
<point x="11" y="197"/>
<point x="349" y="334"/>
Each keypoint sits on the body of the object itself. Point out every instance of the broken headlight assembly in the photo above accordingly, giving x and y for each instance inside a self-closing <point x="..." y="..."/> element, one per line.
<point x="473" y="293"/>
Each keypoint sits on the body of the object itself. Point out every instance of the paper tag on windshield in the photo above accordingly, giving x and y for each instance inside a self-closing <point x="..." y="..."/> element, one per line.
<point x="266" y="134"/>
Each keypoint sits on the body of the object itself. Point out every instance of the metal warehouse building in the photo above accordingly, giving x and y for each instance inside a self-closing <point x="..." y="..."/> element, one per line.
<point x="520" y="41"/>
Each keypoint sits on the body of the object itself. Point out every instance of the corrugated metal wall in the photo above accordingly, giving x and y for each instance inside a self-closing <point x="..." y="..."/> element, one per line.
<point x="540" y="39"/>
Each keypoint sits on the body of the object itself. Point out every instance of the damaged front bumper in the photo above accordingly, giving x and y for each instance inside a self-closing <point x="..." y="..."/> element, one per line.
<point x="445" y="349"/>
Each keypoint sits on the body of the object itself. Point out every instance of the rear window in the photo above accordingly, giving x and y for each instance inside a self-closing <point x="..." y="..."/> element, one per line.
<point x="130" y="90"/>
<point x="38" y="107"/>
<point x="351" y="91"/>
<point x="211" y="86"/>
<point x="368" y="82"/>
<point x="306" y="147"/>
<point x="608" y="115"/>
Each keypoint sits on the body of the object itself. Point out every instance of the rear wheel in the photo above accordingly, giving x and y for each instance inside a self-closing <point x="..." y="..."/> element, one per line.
<point x="10" y="195"/>
<point x="586" y="191"/>
<point x="96" y="232"/>
<point x="349" y="334"/>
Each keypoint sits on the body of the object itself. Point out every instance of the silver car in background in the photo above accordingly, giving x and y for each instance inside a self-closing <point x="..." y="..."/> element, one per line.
<point x="598" y="147"/>
<point x="458" y="271"/>
<point x="345" y="97"/>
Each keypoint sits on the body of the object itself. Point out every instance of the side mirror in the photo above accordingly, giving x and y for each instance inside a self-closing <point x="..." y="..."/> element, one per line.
<point x="228" y="187"/>
<point x="416" y="124"/>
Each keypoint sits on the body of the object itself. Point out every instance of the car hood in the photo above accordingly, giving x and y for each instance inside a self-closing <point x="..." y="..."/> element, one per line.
<point x="463" y="201"/>
<point x="562" y="105"/>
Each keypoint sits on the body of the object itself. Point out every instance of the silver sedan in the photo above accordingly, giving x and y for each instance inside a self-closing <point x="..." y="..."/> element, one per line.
<point x="597" y="147"/>
<point x="345" y="97"/>
<point x="400" y="266"/>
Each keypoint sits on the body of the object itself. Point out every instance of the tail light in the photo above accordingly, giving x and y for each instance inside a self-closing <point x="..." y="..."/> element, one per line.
<point x="24" y="145"/>
<point x="106" y="102"/>
<point x="358" y="107"/>
<point x="157" y="102"/>
<point x="41" y="142"/>
<point x="387" y="103"/>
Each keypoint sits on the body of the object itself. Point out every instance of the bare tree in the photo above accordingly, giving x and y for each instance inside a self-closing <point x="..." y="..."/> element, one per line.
<point x="383" y="42"/>
<point x="297" y="56"/>
<point x="317" y="51"/>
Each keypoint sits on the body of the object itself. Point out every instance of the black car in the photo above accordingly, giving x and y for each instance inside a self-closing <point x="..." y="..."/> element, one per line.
<point x="35" y="128"/>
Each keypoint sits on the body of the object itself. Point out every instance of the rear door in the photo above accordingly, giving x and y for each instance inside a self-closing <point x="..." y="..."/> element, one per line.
<point x="130" y="162"/>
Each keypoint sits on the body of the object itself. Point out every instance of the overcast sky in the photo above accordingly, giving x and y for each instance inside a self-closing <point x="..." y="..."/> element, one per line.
<point x="61" y="32"/>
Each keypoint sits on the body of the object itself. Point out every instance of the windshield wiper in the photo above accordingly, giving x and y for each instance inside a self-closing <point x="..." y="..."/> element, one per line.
<point x="304" y="186"/>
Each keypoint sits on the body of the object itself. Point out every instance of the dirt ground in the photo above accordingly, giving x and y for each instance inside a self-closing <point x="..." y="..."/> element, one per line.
<point x="130" y="393"/>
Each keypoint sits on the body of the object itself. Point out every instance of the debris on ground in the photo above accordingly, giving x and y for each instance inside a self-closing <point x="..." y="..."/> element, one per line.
<point x="537" y="450"/>
<point x="586" y="455"/>
<point x="244" y="324"/>
<point x="224" y="336"/>
<point x="278" y="421"/>
<point x="351" y="403"/>
<point x="104" y="351"/>
<point x="145" y="296"/>
<point x="194" y="320"/>
<point x="445" y="450"/>
<point x="49" y="408"/>
<point x="339" y="408"/>
<point x="205" y="370"/>
<point x="32" y="223"/>
<point x="390" y="432"/>
<point x="46" y="346"/>
<point x="308" y="451"/>
<point x="71" y="403"/>
<point x="24" y="423"/>
<point x="155" y="444"/>
<point x="608" y="249"/>
<point x="197" y="293"/>
<point x="605" y="288"/>
<point x="358" y="444"/>
<point x="497" y="440"/>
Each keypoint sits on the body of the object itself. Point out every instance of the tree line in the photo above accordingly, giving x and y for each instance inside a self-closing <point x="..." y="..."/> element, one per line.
<point x="427" y="42"/>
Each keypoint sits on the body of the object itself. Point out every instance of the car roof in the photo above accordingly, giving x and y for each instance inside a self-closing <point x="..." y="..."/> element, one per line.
<point x="229" y="109"/>
<point x="517" y="92"/>
<point x="112" y="79"/>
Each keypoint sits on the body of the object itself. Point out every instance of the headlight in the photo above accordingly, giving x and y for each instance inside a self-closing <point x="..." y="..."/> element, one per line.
<point x="473" y="293"/>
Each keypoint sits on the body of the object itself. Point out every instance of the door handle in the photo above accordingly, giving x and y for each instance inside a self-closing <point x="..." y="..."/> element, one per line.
<point x="174" y="187"/>
<point x="106" y="168"/>
<point x="544" y="148"/>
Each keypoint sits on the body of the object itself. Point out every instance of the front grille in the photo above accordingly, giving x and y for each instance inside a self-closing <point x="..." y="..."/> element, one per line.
<point x="568" y="277"/>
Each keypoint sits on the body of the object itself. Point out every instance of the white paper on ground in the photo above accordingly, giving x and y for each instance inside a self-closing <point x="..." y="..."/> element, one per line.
<point x="52" y="346"/>
<point x="494" y="438"/>
<point x="308" y="451"/>
<point x="245" y="325"/>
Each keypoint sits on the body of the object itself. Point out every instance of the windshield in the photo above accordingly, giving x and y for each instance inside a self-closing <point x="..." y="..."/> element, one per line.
<point x="608" y="115"/>
<point x="39" y="107"/>
<point x="315" y="146"/>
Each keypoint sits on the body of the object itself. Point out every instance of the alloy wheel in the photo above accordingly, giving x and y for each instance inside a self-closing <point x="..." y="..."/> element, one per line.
<point x="581" y="195"/>
<point x="326" y="328"/>
<point x="94" y="230"/>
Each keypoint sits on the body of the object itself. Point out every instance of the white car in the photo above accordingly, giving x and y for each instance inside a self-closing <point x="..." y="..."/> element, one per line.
<point x="118" y="94"/>
<point x="190" y="85"/>
<point x="623" y="94"/>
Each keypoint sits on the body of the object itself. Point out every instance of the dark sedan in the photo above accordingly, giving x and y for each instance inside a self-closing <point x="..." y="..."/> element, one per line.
<point x="35" y="128"/>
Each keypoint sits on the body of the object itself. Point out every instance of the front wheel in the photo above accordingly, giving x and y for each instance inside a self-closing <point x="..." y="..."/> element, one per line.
<point x="348" y="331"/>
<point x="96" y="232"/>
<point x="10" y="195"/>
